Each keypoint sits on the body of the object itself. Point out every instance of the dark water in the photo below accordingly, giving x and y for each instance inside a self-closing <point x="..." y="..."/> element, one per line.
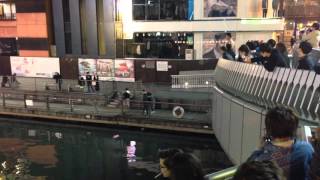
<point x="70" y="152"/>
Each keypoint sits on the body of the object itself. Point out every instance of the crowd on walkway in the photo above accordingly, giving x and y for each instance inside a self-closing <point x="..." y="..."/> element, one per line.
<point x="271" y="54"/>
<point x="281" y="155"/>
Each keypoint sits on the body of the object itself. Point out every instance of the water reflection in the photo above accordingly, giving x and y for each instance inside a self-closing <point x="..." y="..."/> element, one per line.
<point x="64" y="152"/>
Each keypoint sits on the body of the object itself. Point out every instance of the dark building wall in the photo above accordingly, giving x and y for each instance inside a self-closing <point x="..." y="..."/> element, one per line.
<point x="91" y="26"/>
<point x="58" y="27"/>
<point x="75" y="27"/>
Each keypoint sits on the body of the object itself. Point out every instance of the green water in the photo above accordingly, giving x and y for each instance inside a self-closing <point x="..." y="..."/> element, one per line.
<point x="74" y="152"/>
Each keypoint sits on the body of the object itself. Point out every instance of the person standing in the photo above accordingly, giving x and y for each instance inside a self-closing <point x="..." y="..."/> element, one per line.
<point x="146" y="110"/>
<point x="89" y="82"/>
<point x="126" y="98"/>
<point x="264" y="8"/>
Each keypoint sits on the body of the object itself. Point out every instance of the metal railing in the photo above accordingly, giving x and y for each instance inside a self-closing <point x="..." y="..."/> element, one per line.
<point x="225" y="174"/>
<point x="193" y="81"/>
<point x="101" y="107"/>
<point x="68" y="85"/>
<point x="299" y="89"/>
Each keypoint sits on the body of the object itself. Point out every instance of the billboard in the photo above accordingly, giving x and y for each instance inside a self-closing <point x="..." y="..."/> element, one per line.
<point x="220" y="8"/>
<point x="42" y="67"/>
<point x="124" y="70"/>
<point x="212" y="42"/>
<point x="87" y="65"/>
<point x="105" y="69"/>
<point x="108" y="69"/>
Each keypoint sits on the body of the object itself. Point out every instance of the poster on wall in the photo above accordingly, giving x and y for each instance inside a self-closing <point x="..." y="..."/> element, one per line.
<point x="220" y="8"/>
<point x="87" y="65"/>
<point x="41" y="67"/>
<point x="124" y="70"/>
<point x="105" y="69"/>
<point x="212" y="43"/>
<point x="162" y="65"/>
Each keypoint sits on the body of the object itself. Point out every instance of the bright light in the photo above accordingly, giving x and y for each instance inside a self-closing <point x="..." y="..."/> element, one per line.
<point x="125" y="10"/>
<point x="186" y="84"/>
<point x="207" y="82"/>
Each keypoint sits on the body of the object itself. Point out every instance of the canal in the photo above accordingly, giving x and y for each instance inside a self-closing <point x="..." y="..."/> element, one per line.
<point x="57" y="151"/>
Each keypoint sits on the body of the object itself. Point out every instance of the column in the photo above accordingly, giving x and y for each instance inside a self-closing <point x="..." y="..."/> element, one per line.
<point x="58" y="22"/>
<point x="75" y="27"/>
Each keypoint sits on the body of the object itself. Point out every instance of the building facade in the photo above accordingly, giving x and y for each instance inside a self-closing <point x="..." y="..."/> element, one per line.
<point x="25" y="28"/>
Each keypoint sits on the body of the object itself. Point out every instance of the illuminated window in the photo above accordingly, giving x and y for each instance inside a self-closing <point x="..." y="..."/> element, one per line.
<point x="7" y="10"/>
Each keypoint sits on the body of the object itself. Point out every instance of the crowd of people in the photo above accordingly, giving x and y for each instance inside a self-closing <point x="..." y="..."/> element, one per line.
<point x="280" y="156"/>
<point x="271" y="54"/>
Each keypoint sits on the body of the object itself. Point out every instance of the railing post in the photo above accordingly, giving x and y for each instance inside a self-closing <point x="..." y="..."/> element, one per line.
<point x="47" y="102"/>
<point x="122" y="110"/>
<point x="3" y="100"/>
<point x="71" y="105"/>
<point x="25" y="100"/>
<point x="35" y="84"/>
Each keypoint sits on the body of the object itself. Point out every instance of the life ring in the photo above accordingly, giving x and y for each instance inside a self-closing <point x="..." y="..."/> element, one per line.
<point x="178" y="112"/>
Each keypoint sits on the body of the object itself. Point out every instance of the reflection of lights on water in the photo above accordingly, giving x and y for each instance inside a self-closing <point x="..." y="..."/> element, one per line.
<point x="131" y="151"/>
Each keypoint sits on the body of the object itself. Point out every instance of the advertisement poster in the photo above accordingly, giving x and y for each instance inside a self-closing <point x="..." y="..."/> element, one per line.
<point x="220" y="8"/>
<point x="87" y="65"/>
<point x="34" y="66"/>
<point x="212" y="42"/>
<point x="124" y="70"/>
<point x="105" y="69"/>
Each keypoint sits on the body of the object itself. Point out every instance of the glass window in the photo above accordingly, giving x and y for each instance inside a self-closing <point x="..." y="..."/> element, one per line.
<point x="7" y="10"/>
<point x="139" y="12"/>
<point x="160" y="10"/>
<point x="8" y="47"/>
<point x="159" y="45"/>
<point x="152" y="9"/>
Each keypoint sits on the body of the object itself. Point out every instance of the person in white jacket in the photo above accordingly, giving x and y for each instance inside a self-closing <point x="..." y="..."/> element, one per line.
<point x="313" y="37"/>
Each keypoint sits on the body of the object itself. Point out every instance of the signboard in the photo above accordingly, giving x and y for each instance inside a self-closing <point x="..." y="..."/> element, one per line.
<point x="124" y="70"/>
<point x="162" y="65"/>
<point x="41" y="67"/>
<point x="87" y="65"/>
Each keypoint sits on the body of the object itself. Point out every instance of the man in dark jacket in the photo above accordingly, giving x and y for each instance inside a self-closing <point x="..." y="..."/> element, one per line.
<point x="270" y="58"/>
<point x="305" y="61"/>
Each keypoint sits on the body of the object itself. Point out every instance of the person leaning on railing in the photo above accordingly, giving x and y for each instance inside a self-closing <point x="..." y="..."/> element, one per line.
<point x="305" y="60"/>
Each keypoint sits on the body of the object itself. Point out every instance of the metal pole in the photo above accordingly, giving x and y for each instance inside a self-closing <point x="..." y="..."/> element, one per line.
<point x="3" y="100"/>
<point x="47" y="101"/>
<point x="25" y="98"/>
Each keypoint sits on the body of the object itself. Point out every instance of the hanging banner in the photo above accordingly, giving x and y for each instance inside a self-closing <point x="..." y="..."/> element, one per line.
<point x="42" y="67"/>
